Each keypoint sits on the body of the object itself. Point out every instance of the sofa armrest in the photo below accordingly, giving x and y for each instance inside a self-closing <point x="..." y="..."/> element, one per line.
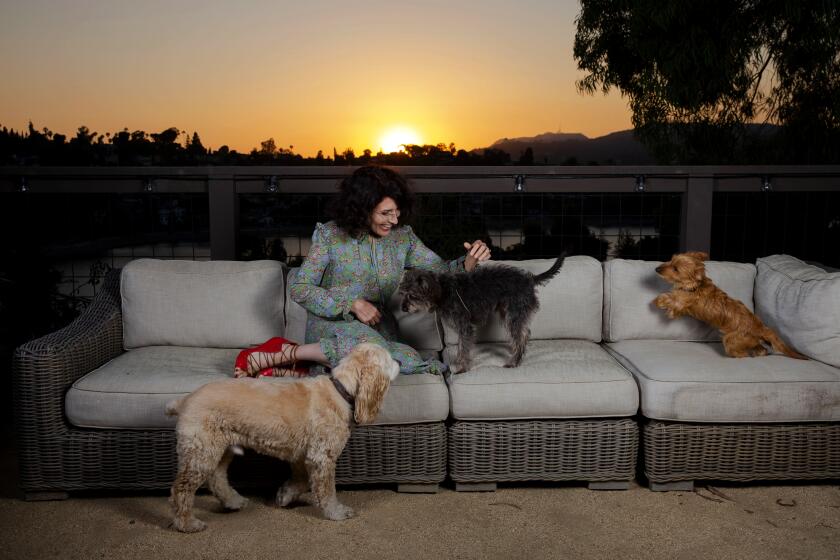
<point x="43" y="370"/>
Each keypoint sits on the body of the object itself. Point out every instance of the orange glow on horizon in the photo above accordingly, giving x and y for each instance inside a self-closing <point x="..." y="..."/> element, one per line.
<point x="396" y="137"/>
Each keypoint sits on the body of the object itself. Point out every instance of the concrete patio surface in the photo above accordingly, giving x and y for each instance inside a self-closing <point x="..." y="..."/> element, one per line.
<point x="535" y="521"/>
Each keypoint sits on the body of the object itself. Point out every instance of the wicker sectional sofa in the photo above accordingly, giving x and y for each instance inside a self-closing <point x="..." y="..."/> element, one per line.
<point x="604" y="374"/>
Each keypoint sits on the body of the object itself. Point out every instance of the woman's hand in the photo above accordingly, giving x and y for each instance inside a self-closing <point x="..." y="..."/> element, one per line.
<point x="366" y="312"/>
<point x="477" y="252"/>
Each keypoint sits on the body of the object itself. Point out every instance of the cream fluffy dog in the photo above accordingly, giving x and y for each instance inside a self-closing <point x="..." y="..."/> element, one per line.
<point x="305" y="422"/>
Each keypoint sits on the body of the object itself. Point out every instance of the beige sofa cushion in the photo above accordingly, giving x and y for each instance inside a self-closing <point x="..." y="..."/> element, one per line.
<point x="697" y="382"/>
<point x="131" y="391"/>
<point x="630" y="286"/>
<point x="419" y="330"/>
<point x="556" y="379"/>
<point x="802" y="303"/>
<point x="413" y="399"/>
<point x="210" y="304"/>
<point x="570" y="303"/>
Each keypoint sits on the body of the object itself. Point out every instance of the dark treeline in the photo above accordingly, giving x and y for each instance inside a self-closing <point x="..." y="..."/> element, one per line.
<point x="176" y="147"/>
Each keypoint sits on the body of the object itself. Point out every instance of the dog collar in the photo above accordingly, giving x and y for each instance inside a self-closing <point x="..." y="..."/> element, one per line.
<point x="342" y="390"/>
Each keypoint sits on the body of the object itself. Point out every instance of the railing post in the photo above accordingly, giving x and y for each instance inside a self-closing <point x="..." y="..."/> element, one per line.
<point x="224" y="215"/>
<point x="696" y="230"/>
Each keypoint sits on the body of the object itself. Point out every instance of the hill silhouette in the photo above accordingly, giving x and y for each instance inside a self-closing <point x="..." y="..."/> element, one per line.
<point x="617" y="148"/>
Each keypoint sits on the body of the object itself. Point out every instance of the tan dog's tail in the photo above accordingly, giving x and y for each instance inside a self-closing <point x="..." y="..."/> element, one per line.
<point x="779" y="345"/>
<point x="174" y="407"/>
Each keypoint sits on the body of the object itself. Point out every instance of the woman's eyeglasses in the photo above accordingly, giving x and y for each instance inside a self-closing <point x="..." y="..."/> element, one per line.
<point x="388" y="214"/>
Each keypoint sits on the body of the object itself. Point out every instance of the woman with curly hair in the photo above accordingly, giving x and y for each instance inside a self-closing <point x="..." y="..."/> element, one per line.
<point x="353" y="268"/>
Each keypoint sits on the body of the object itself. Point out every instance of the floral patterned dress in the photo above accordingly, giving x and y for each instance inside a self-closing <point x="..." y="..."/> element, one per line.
<point x="340" y="269"/>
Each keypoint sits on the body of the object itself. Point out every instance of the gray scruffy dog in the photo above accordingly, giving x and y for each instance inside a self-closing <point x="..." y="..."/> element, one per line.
<point x="465" y="301"/>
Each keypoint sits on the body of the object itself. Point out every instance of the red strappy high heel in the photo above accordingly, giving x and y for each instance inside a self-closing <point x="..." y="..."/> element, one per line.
<point x="249" y="365"/>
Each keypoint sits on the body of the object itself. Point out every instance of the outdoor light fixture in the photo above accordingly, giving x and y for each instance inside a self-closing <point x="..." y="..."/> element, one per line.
<point x="149" y="185"/>
<point x="640" y="183"/>
<point x="766" y="186"/>
<point x="23" y="185"/>
<point x="519" y="184"/>
<point x="271" y="184"/>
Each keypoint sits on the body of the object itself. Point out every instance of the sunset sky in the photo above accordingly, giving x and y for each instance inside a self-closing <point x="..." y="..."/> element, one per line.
<point x="315" y="74"/>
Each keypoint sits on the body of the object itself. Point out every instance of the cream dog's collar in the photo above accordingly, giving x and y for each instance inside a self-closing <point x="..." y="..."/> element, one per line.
<point x="342" y="390"/>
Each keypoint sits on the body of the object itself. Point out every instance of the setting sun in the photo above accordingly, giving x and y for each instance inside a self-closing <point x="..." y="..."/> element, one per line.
<point x="393" y="139"/>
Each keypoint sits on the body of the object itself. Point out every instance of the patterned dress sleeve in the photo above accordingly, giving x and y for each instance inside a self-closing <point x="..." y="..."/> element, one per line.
<point x="306" y="289"/>
<point x="420" y="256"/>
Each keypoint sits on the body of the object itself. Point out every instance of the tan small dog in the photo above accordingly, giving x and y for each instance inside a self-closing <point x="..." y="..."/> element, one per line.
<point x="697" y="296"/>
<point x="305" y="422"/>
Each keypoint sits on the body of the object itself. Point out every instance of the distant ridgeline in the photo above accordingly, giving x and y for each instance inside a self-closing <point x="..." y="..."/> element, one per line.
<point x="180" y="148"/>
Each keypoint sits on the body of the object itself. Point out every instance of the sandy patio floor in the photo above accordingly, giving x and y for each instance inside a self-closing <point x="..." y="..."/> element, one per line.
<point x="545" y="521"/>
<point x="761" y="521"/>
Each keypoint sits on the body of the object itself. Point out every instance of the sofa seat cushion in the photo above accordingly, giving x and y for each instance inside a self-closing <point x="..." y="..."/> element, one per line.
<point x="131" y="391"/>
<point x="214" y="304"/>
<point x="413" y="399"/>
<point x="802" y="303"/>
<point x="556" y="379"/>
<point x="697" y="382"/>
<point x="630" y="287"/>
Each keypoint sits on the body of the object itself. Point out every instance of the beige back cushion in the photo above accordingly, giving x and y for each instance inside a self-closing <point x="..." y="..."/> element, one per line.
<point x="570" y="303"/>
<point x="802" y="303"/>
<point x="630" y="286"/>
<point x="210" y="304"/>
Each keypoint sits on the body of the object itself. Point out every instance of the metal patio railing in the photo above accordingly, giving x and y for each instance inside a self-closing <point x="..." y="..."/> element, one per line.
<point x="86" y="220"/>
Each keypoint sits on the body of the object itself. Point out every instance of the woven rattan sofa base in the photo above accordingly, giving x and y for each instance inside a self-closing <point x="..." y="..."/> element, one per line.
<point x="146" y="460"/>
<point x="56" y="457"/>
<point x="676" y="451"/>
<point x="598" y="450"/>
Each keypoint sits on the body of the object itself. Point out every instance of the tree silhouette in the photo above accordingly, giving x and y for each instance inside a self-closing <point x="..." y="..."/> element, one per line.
<point x="194" y="146"/>
<point x="166" y="145"/>
<point x="137" y="148"/>
<point x="268" y="147"/>
<point x="696" y="73"/>
<point x="166" y="138"/>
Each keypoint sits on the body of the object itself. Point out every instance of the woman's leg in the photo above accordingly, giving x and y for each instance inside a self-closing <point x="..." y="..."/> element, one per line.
<point x="312" y="353"/>
<point x="337" y="339"/>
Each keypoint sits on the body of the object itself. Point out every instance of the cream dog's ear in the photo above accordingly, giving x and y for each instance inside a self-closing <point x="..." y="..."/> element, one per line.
<point x="372" y="385"/>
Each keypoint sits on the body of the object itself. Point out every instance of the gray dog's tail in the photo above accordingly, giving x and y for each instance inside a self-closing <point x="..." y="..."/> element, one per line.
<point x="551" y="272"/>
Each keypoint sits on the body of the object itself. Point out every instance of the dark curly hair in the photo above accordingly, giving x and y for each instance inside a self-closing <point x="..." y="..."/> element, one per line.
<point x="363" y="190"/>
